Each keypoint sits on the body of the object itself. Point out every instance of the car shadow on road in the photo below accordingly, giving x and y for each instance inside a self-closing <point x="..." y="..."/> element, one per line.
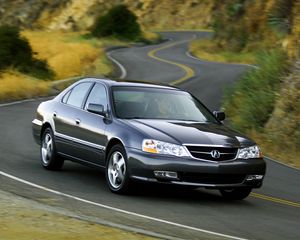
<point x="95" y="178"/>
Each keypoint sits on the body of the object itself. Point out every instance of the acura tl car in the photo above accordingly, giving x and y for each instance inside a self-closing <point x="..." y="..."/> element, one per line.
<point x="146" y="132"/>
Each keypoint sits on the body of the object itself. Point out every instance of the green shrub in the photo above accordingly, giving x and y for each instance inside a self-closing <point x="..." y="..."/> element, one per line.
<point x="16" y="52"/>
<point x="250" y="102"/>
<point x="119" y="22"/>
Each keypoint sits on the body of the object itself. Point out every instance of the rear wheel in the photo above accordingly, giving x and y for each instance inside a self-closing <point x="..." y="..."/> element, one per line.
<point x="49" y="157"/>
<point x="116" y="170"/>
<point x="235" y="193"/>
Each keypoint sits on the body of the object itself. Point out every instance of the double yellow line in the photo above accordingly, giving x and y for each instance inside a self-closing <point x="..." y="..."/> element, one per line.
<point x="189" y="72"/>
<point x="275" y="200"/>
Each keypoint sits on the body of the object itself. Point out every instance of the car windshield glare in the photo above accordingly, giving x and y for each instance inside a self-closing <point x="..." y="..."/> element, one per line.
<point x="155" y="103"/>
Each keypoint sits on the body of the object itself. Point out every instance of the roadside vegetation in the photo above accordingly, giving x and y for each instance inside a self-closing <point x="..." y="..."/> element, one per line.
<point x="250" y="102"/>
<point x="66" y="55"/>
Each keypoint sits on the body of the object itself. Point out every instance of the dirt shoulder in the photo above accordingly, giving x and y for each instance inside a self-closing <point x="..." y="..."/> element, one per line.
<point x="24" y="219"/>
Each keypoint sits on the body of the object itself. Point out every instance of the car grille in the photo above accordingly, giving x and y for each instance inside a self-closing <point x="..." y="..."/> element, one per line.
<point x="204" y="152"/>
<point x="207" y="178"/>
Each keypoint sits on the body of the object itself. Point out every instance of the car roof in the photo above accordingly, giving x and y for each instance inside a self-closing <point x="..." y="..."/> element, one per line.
<point x="124" y="83"/>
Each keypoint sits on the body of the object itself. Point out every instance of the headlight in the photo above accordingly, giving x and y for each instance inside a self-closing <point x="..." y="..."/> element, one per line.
<point x="250" y="152"/>
<point x="154" y="146"/>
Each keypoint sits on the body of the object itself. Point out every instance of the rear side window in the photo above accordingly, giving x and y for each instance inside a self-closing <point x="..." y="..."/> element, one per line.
<point x="65" y="98"/>
<point x="78" y="94"/>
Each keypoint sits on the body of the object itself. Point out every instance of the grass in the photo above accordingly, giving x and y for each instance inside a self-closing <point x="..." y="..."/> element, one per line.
<point x="68" y="57"/>
<point x="250" y="102"/>
<point x="14" y="85"/>
<point x="208" y="50"/>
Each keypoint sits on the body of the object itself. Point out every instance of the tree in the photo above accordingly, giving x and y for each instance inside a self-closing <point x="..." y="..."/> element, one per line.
<point x="118" y="22"/>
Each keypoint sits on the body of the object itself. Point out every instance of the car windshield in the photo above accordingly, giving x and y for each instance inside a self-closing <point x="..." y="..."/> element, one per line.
<point x="155" y="103"/>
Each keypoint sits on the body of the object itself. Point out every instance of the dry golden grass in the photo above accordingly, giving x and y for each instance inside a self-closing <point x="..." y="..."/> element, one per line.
<point x="14" y="85"/>
<point x="66" y="56"/>
<point x="207" y="49"/>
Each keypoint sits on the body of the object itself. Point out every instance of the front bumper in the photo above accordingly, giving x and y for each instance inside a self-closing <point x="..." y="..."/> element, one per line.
<point x="194" y="172"/>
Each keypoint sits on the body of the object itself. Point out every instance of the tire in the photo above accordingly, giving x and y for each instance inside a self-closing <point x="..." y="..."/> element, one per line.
<point x="235" y="193"/>
<point x="49" y="158"/>
<point x="116" y="172"/>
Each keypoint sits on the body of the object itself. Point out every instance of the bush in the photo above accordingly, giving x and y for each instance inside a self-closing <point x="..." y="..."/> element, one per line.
<point x="119" y="22"/>
<point x="16" y="52"/>
<point x="251" y="101"/>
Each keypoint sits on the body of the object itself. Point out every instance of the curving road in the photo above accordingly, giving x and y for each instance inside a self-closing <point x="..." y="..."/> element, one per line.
<point x="272" y="212"/>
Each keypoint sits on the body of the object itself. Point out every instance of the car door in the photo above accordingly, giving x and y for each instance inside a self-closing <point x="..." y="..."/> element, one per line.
<point x="65" y="115"/>
<point x="89" y="134"/>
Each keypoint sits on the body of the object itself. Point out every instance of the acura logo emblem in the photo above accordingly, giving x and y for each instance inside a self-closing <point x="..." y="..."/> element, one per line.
<point x="215" y="153"/>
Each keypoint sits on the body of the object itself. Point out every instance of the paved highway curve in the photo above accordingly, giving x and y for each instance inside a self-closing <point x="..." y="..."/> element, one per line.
<point x="272" y="212"/>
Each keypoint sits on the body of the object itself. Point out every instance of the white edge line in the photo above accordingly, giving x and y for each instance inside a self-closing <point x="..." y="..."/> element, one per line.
<point x="118" y="209"/>
<point x="25" y="100"/>
<point x="16" y="102"/>
<point x="122" y="68"/>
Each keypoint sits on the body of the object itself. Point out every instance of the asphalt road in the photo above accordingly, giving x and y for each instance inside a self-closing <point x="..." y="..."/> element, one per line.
<point x="272" y="212"/>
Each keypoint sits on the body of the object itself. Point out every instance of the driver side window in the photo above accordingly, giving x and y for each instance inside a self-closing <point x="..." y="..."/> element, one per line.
<point x="97" y="96"/>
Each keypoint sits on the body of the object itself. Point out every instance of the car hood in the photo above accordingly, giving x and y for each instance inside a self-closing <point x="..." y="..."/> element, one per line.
<point x="184" y="132"/>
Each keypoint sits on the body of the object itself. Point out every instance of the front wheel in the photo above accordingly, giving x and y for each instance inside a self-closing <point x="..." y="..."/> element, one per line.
<point x="49" y="157"/>
<point x="116" y="170"/>
<point x="235" y="193"/>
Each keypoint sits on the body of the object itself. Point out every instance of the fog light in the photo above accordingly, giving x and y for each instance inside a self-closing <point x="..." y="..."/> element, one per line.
<point x="166" y="174"/>
<point x="254" y="177"/>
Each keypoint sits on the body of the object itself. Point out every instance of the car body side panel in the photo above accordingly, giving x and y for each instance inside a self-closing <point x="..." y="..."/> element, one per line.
<point x="90" y="136"/>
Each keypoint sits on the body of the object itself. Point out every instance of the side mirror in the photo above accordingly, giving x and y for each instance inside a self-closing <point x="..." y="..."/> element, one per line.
<point x="96" y="108"/>
<point x="219" y="115"/>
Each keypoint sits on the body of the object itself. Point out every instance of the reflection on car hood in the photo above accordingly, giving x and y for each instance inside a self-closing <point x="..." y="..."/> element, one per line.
<point x="186" y="132"/>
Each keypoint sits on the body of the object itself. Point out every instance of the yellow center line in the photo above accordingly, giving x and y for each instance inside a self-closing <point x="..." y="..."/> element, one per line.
<point x="276" y="200"/>
<point x="189" y="72"/>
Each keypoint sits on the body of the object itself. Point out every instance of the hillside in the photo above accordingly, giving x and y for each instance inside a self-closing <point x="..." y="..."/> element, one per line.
<point x="80" y="14"/>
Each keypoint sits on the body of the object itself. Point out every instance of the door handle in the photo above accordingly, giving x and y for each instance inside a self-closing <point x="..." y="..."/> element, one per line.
<point x="54" y="114"/>
<point x="77" y="121"/>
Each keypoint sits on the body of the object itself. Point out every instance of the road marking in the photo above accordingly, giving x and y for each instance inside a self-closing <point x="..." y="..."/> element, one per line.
<point x="189" y="72"/>
<point x="121" y="67"/>
<point x="276" y="200"/>
<point x="118" y="209"/>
